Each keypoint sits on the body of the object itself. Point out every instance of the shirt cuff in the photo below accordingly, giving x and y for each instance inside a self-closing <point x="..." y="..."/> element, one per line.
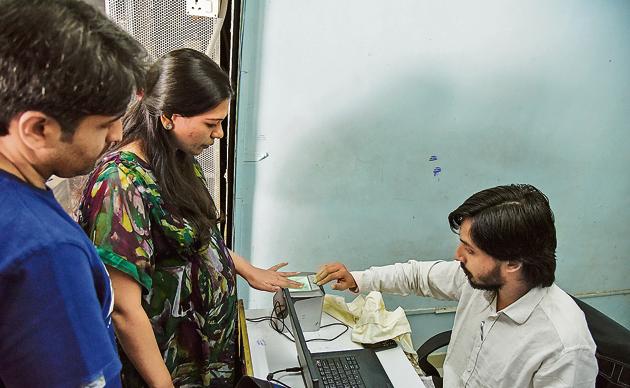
<point x="359" y="280"/>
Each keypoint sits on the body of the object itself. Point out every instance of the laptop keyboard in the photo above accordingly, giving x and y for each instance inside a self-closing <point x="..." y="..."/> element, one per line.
<point x="339" y="372"/>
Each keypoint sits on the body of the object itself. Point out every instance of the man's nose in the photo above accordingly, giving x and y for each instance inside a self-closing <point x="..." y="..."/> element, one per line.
<point x="115" y="132"/>
<point x="459" y="256"/>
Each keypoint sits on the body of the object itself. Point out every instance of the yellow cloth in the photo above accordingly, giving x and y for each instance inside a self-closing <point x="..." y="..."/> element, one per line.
<point x="369" y="320"/>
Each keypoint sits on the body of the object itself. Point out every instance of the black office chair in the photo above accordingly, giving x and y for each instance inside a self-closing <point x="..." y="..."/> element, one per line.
<point x="613" y="348"/>
<point x="612" y="341"/>
<point x="429" y="346"/>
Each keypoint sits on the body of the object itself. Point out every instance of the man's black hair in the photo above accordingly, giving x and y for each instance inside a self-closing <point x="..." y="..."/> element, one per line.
<point x="65" y="59"/>
<point x="513" y="222"/>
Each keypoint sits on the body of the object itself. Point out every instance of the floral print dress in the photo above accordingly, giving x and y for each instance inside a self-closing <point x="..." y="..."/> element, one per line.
<point x="189" y="293"/>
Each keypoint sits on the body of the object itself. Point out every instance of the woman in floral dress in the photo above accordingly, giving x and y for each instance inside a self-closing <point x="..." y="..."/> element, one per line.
<point x="148" y="210"/>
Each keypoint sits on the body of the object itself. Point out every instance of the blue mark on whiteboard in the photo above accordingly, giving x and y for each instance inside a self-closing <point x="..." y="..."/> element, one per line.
<point x="437" y="171"/>
<point x="261" y="342"/>
<point x="433" y="158"/>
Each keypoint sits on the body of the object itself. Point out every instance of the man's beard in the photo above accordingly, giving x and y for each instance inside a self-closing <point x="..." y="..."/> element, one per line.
<point x="490" y="282"/>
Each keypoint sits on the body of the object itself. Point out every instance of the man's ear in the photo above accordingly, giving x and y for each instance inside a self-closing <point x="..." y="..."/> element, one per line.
<point x="513" y="265"/>
<point x="38" y="130"/>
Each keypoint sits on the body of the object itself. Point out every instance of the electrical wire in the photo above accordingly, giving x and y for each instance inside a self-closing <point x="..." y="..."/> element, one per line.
<point x="278" y="325"/>
<point x="346" y="327"/>
<point x="290" y="370"/>
<point x="279" y="383"/>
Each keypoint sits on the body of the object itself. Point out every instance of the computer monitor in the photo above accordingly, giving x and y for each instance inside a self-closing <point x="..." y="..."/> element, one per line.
<point x="309" y="371"/>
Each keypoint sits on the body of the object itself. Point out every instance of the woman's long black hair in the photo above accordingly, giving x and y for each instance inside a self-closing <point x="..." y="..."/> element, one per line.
<point x="188" y="83"/>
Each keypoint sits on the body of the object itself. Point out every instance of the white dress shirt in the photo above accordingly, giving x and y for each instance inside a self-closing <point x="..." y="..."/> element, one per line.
<point x="541" y="340"/>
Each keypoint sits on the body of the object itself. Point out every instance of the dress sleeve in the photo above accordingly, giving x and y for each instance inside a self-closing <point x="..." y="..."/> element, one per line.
<point x="117" y="220"/>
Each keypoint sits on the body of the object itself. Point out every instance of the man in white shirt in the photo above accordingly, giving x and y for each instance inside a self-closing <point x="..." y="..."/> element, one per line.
<point x="513" y="326"/>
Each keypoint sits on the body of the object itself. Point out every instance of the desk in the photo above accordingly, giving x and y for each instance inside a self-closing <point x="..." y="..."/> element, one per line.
<point x="270" y="351"/>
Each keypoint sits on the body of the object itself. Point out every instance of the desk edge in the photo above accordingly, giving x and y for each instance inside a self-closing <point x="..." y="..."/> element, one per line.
<point x="244" y="339"/>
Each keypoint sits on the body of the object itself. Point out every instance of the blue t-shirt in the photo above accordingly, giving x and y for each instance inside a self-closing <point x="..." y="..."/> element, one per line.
<point x="55" y="296"/>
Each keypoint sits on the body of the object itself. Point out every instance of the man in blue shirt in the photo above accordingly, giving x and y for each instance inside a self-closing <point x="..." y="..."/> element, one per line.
<point x="66" y="76"/>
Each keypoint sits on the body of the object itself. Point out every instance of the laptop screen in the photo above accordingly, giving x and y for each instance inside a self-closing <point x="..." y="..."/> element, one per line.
<point x="309" y="372"/>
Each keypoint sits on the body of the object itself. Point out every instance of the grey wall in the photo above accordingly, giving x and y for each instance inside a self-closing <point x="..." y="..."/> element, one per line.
<point x="350" y="100"/>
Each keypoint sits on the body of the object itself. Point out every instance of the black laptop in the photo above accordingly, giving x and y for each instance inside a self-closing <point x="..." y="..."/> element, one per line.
<point x="346" y="368"/>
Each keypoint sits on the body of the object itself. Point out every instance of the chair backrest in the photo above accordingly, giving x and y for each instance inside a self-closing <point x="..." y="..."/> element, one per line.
<point x="613" y="347"/>
<point x="432" y="344"/>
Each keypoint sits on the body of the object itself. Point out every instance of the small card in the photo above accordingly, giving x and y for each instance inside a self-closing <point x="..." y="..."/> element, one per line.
<point x="306" y="284"/>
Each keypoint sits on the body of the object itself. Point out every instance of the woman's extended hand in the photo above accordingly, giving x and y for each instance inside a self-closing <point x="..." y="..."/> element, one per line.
<point x="270" y="279"/>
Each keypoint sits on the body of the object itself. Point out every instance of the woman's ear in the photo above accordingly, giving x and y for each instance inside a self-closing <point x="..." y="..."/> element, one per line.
<point x="167" y="122"/>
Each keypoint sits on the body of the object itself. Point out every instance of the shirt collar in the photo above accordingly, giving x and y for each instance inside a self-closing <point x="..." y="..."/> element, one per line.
<point x="522" y="308"/>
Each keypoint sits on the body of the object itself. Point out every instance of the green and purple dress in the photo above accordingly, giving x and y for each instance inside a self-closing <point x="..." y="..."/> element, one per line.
<point x="189" y="292"/>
